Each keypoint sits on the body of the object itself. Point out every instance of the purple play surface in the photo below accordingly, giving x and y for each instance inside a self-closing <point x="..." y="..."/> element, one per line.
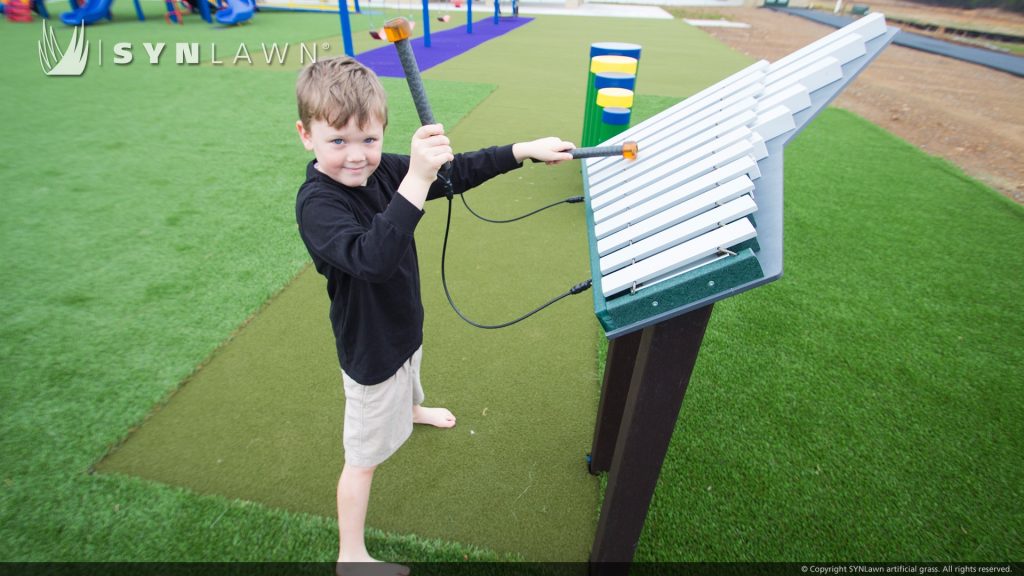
<point x="443" y="46"/>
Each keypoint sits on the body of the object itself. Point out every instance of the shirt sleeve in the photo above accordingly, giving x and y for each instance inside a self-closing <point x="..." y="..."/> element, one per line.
<point x="372" y="253"/>
<point x="471" y="169"/>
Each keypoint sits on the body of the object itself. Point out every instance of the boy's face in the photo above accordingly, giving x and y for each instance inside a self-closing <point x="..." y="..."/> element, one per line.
<point x="348" y="155"/>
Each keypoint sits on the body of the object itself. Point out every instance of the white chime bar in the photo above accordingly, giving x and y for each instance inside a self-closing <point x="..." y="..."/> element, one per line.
<point x="868" y="27"/>
<point x="664" y="150"/>
<point x="678" y="257"/>
<point x="672" y="175"/>
<point x="685" y="191"/>
<point x="681" y="212"/>
<point x="684" y="231"/>
<point x="629" y="189"/>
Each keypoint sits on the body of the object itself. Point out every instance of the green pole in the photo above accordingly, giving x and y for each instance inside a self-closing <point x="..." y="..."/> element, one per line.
<point x="599" y="65"/>
<point x="592" y="115"/>
<point x="608" y="98"/>
<point x="614" y="121"/>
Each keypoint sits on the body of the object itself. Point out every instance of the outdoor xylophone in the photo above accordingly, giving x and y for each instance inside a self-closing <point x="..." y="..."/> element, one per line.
<point x="695" y="219"/>
<point x="698" y="217"/>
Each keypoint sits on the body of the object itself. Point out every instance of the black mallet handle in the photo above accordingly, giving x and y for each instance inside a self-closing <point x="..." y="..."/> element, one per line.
<point x="627" y="150"/>
<point x="397" y="31"/>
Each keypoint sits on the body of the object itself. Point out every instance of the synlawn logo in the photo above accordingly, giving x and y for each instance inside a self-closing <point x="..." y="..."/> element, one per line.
<point x="70" y="62"/>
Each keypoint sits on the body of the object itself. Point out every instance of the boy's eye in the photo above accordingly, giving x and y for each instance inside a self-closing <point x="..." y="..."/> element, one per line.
<point x="370" y="140"/>
<point x="337" y="141"/>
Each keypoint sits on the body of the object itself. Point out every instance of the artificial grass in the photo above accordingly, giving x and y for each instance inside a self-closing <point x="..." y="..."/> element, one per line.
<point x="148" y="212"/>
<point x="817" y="414"/>
<point x="867" y="405"/>
<point x="261" y="421"/>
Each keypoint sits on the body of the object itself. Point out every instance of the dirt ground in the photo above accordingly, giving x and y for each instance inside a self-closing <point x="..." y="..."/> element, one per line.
<point x="971" y="115"/>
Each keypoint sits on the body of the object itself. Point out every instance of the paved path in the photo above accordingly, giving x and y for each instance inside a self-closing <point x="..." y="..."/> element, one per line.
<point x="1003" y="62"/>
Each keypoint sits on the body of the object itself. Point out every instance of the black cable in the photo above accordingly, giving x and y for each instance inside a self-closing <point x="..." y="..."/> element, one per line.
<point x="581" y="287"/>
<point x="571" y="200"/>
<point x="419" y="97"/>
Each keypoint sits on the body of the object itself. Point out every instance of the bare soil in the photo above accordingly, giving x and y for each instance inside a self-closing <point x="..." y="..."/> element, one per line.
<point x="971" y="115"/>
<point x="981" y="19"/>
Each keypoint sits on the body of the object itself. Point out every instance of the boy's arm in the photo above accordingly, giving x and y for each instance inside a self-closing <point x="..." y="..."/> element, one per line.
<point x="471" y="169"/>
<point x="429" y="151"/>
<point x="372" y="253"/>
<point x="548" y="150"/>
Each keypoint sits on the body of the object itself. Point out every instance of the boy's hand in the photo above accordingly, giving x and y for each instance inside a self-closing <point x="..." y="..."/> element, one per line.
<point x="430" y="150"/>
<point x="549" y="150"/>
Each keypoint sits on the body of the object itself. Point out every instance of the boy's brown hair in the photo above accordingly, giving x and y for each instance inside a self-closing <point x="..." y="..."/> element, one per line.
<point x="336" y="90"/>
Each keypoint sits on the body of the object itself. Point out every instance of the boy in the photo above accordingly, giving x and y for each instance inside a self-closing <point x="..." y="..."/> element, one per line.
<point x="357" y="211"/>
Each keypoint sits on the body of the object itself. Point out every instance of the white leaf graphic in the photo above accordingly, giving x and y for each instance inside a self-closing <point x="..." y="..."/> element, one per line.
<point x="70" y="62"/>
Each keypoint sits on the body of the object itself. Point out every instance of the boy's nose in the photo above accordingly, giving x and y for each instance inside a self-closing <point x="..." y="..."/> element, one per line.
<point x="356" y="156"/>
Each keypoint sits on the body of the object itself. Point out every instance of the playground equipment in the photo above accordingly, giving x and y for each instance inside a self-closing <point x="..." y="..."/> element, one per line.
<point x="673" y="232"/>
<point x="92" y="11"/>
<point x="175" y="15"/>
<point x="236" y="12"/>
<point x="89" y="13"/>
<point x="613" y="65"/>
<point x="498" y="14"/>
<point x="205" y="8"/>
<point x="377" y="32"/>
<point x="18" y="10"/>
<point x="328" y="6"/>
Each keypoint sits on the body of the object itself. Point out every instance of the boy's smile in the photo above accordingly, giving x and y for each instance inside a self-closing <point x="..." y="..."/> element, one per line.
<point x="348" y="155"/>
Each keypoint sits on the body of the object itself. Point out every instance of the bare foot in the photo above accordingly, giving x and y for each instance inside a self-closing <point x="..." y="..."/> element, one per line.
<point x="439" y="417"/>
<point x="369" y="567"/>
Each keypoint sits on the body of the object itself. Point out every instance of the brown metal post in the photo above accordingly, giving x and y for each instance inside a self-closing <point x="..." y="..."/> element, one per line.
<point x="665" y="359"/>
<point x="618" y="371"/>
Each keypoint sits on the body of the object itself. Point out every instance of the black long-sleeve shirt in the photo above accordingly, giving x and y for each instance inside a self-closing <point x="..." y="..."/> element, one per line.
<point x="361" y="240"/>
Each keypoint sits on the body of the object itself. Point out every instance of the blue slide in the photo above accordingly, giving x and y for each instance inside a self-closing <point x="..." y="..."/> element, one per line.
<point x="237" y="11"/>
<point x="93" y="11"/>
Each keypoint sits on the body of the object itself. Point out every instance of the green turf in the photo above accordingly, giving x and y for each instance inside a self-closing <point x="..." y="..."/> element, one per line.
<point x="152" y="203"/>
<point x="867" y="406"/>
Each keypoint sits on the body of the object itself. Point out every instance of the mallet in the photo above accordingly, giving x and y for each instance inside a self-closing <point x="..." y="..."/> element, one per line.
<point x="397" y="31"/>
<point x="627" y="150"/>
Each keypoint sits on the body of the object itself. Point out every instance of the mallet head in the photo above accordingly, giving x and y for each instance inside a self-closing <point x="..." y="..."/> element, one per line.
<point x="630" y="150"/>
<point x="397" y="29"/>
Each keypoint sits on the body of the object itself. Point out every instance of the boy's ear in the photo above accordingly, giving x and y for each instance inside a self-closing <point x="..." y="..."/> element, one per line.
<point x="307" y="139"/>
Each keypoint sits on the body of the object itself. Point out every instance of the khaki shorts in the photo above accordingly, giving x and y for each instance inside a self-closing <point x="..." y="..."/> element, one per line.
<point x="378" y="418"/>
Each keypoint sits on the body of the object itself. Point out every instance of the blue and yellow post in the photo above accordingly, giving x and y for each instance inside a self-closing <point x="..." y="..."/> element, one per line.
<point x="616" y="63"/>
